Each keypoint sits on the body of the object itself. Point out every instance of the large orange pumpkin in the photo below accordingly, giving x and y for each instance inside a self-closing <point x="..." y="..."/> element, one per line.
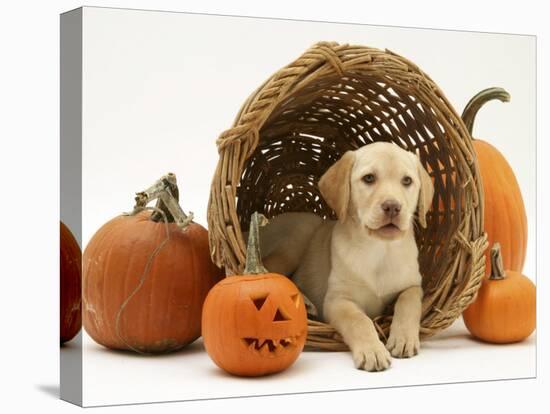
<point x="505" y="307"/>
<point x="144" y="291"/>
<point x="254" y="324"/>
<point x="504" y="215"/>
<point x="70" y="275"/>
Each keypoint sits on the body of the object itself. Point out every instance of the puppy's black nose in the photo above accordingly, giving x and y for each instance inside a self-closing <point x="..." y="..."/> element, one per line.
<point x="391" y="208"/>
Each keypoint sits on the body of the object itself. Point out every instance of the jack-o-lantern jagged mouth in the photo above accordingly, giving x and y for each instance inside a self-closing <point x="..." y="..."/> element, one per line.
<point x="271" y="347"/>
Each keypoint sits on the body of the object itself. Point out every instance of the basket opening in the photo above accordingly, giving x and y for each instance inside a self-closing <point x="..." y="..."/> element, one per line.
<point x="337" y="97"/>
<point x="311" y="128"/>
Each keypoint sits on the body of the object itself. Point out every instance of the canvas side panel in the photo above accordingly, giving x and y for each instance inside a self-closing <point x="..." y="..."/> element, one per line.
<point x="71" y="176"/>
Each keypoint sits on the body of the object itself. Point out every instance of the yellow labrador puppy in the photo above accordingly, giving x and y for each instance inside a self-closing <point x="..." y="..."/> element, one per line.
<point x="352" y="268"/>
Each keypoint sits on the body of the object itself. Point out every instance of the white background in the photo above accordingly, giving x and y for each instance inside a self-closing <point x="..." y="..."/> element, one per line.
<point x="158" y="88"/>
<point x="29" y="125"/>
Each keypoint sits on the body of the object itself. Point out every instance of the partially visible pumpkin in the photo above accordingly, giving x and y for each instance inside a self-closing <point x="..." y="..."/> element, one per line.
<point x="143" y="291"/>
<point x="504" y="310"/>
<point x="254" y="324"/>
<point x="504" y="216"/>
<point x="70" y="283"/>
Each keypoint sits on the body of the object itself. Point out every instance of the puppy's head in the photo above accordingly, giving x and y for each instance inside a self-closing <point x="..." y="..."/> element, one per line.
<point x="381" y="186"/>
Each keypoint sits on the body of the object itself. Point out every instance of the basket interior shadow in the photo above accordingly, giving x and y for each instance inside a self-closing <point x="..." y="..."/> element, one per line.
<point x="336" y="98"/>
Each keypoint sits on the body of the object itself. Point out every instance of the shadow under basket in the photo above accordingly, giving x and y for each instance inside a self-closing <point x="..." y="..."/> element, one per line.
<point x="336" y="98"/>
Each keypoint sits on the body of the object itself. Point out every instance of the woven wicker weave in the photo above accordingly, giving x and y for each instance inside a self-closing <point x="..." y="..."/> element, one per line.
<point x="303" y="118"/>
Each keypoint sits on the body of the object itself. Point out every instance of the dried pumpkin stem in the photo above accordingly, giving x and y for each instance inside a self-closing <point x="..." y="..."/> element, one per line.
<point x="497" y="266"/>
<point x="165" y="191"/>
<point x="474" y="105"/>
<point x="254" y="265"/>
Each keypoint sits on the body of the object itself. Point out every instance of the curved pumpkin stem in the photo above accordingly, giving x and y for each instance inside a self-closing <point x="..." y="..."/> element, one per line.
<point x="171" y="188"/>
<point x="472" y="107"/>
<point x="165" y="190"/>
<point x="497" y="266"/>
<point x="254" y="265"/>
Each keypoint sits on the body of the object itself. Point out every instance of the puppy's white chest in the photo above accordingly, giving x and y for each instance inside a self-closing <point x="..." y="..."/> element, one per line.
<point x="373" y="274"/>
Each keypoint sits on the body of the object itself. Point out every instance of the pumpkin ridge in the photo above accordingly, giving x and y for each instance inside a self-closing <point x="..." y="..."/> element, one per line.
<point x="505" y="216"/>
<point x="112" y="310"/>
<point x="513" y="215"/>
<point x="103" y="280"/>
<point x="153" y="274"/>
<point x="194" y="287"/>
<point x="522" y="218"/>
<point x="125" y="284"/>
<point x="88" y="287"/>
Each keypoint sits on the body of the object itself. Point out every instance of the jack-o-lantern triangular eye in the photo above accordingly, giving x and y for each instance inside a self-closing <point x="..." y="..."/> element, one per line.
<point x="296" y="299"/>
<point x="280" y="316"/>
<point x="259" y="302"/>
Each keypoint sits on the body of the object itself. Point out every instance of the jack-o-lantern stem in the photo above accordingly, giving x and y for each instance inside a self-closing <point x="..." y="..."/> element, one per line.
<point x="497" y="266"/>
<point x="474" y="105"/>
<point x="254" y="265"/>
<point x="166" y="192"/>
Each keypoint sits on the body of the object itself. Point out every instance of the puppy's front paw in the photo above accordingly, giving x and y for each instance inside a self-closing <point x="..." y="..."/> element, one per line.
<point x="371" y="357"/>
<point x="403" y="344"/>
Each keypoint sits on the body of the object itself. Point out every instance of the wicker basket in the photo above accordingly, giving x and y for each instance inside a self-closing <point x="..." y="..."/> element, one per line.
<point x="304" y="117"/>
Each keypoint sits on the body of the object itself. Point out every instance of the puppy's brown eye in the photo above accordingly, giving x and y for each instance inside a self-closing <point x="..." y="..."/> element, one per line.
<point x="369" y="178"/>
<point x="406" y="181"/>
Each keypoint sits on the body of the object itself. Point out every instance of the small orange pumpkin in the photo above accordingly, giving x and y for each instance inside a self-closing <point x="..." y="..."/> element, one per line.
<point x="505" y="308"/>
<point x="70" y="275"/>
<point x="254" y="324"/>
<point x="504" y="216"/>
<point x="145" y="280"/>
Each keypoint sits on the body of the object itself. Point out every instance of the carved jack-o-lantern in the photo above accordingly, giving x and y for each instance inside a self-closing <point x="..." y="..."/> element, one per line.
<point x="255" y="324"/>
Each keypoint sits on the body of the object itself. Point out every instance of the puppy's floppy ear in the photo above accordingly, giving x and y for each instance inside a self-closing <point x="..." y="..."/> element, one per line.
<point x="426" y="193"/>
<point x="335" y="185"/>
